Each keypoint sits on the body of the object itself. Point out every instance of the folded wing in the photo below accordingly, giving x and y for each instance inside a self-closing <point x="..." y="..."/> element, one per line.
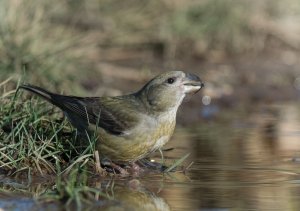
<point x="114" y="114"/>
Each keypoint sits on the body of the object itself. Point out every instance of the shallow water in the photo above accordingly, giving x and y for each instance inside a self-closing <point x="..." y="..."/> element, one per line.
<point x="240" y="162"/>
<point x="251" y="164"/>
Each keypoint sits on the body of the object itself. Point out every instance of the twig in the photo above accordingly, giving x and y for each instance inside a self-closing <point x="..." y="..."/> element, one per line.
<point x="99" y="169"/>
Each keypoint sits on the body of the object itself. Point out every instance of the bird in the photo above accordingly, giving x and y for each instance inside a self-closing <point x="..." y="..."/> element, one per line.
<point x="131" y="126"/>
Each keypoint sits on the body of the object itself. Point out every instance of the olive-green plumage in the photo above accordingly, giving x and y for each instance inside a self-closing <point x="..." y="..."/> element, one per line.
<point x="129" y="127"/>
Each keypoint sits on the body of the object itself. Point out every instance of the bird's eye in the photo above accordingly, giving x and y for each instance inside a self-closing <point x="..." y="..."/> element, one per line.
<point x="170" y="80"/>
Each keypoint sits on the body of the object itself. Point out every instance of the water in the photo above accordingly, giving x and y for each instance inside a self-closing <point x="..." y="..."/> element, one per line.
<point x="241" y="161"/>
<point x="250" y="164"/>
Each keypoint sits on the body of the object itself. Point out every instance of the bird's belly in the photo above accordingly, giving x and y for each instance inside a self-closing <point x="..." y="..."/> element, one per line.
<point x="135" y="145"/>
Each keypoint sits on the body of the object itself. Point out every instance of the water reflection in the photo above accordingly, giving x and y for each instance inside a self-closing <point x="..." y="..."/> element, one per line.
<point x="122" y="194"/>
<point x="244" y="167"/>
<point x="135" y="196"/>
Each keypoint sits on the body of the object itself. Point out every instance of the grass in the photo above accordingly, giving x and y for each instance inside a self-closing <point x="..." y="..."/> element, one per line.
<point x="35" y="137"/>
<point x="30" y="43"/>
<point x="60" y="43"/>
<point x="75" y="189"/>
<point x="37" y="141"/>
<point x="52" y="40"/>
<point x="176" y="163"/>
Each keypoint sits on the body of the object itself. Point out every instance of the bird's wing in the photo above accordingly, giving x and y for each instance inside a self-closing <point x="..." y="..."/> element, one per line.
<point x="114" y="114"/>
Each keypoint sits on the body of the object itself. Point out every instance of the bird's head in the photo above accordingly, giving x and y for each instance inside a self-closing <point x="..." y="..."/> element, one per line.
<point x="167" y="90"/>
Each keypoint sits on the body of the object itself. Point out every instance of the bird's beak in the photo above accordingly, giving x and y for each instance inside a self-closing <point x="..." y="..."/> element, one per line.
<point x="192" y="83"/>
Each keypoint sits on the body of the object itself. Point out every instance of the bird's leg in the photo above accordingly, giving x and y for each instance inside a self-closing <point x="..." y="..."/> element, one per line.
<point x="121" y="170"/>
<point x="110" y="166"/>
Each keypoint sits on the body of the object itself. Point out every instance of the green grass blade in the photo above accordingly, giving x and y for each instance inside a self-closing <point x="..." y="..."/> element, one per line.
<point x="177" y="163"/>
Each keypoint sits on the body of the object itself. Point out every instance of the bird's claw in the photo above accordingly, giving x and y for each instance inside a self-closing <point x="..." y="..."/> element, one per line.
<point x="111" y="167"/>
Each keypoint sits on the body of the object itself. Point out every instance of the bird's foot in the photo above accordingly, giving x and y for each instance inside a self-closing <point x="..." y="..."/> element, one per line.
<point x="134" y="168"/>
<point x="111" y="167"/>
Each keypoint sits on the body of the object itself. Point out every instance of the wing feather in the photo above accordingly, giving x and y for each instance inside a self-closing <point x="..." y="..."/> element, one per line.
<point x="115" y="115"/>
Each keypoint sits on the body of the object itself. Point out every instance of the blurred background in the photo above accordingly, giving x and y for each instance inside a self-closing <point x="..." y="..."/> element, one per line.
<point x="242" y="129"/>
<point x="245" y="51"/>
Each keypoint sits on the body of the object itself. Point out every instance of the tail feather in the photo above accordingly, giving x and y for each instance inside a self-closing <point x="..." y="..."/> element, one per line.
<point x="70" y="105"/>
<point x="39" y="91"/>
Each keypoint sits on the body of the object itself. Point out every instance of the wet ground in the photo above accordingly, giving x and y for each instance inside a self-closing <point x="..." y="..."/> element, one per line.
<point x="241" y="161"/>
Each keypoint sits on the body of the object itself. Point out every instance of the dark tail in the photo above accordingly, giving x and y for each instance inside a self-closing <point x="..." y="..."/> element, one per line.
<point x="39" y="91"/>
<point x="72" y="106"/>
